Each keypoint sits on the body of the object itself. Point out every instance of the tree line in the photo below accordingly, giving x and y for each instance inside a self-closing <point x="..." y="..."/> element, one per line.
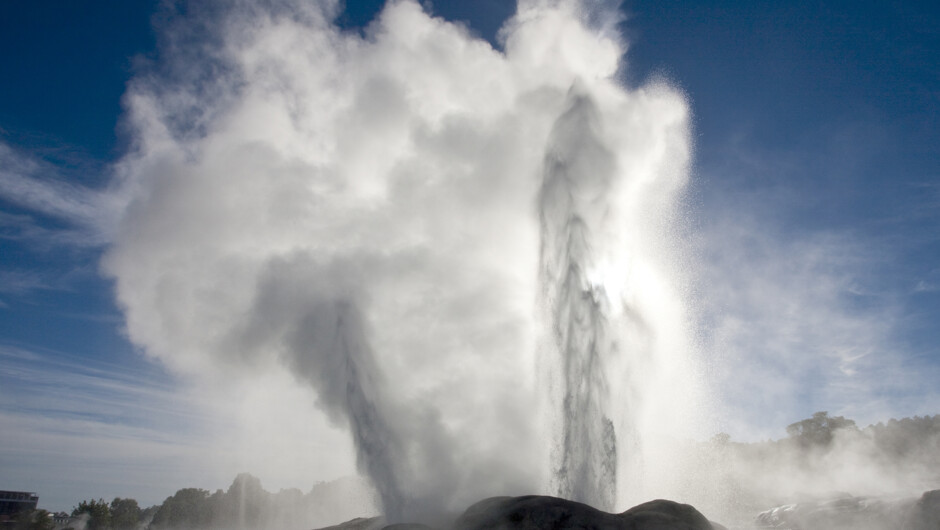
<point x="897" y="439"/>
<point x="246" y="504"/>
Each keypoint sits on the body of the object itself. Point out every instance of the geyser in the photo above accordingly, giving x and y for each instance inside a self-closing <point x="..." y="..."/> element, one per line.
<point x="573" y="206"/>
<point x="468" y="254"/>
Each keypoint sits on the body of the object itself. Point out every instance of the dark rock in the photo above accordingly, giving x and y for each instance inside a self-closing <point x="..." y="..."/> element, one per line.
<point x="534" y="512"/>
<point x="666" y="514"/>
<point x="359" y="523"/>
<point x="925" y="514"/>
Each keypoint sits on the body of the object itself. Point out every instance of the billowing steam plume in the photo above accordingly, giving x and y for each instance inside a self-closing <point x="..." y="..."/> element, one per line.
<point x="467" y="253"/>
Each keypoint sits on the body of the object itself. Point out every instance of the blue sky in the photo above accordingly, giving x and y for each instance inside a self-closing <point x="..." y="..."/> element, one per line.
<point x="814" y="219"/>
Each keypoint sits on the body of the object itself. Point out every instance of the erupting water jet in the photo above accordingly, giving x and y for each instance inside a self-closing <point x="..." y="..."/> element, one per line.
<point x="573" y="203"/>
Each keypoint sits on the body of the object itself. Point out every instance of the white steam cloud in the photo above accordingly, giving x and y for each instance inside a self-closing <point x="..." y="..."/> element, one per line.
<point x="368" y="213"/>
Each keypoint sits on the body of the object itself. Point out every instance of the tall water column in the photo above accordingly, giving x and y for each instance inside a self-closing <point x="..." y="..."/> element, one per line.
<point x="573" y="206"/>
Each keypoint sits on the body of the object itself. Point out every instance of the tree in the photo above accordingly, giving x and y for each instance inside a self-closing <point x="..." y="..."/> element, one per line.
<point x="34" y="520"/>
<point x="146" y="515"/>
<point x="245" y="504"/>
<point x="98" y="513"/>
<point x="125" y="514"/>
<point x="819" y="429"/>
<point x="721" y="439"/>
<point x="187" y="508"/>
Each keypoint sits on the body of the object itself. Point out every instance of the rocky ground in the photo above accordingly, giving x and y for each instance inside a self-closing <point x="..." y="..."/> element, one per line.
<point x="856" y="513"/>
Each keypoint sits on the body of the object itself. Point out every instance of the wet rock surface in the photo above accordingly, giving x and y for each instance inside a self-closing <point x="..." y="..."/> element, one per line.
<point x="359" y="523"/>
<point x="666" y="514"/>
<point x="925" y="514"/>
<point x="533" y="512"/>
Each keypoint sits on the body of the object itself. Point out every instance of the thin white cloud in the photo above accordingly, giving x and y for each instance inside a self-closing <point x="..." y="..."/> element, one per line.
<point x="76" y="429"/>
<point x="929" y="283"/>
<point x="926" y="287"/>
<point x="69" y="419"/>
<point x="25" y="229"/>
<point x="37" y="187"/>
<point x="798" y="322"/>
<point x="19" y="282"/>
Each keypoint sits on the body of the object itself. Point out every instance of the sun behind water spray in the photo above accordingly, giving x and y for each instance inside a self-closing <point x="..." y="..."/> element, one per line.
<point x="410" y="221"/>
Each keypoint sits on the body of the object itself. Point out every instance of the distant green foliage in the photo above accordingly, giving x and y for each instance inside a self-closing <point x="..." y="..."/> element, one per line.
<point x="917" y="437"/>
<point x="125" y="514"/>
<point x="244" y="505"/>
<point x="33" y="520"/>
<point x="98" y="512"/>
<point x="819" y="429"/>
<point x="188" y="508"/>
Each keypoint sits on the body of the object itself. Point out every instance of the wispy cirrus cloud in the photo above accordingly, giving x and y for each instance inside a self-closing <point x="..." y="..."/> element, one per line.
<point x="52" y="230"/>
<point x="72" y="424"/>
<point x="55" y="212"/>
<point x="19" y="282"/>
<point x="69" y="419"/>
<point x="800" y="320"/>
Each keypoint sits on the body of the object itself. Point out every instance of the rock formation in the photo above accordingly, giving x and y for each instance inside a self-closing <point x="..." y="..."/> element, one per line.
<point x="537" y="512"/>
<point x="856" y="513"/>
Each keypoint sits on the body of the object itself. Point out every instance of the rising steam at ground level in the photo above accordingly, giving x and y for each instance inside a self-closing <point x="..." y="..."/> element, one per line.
<point x="826" y="474"/>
